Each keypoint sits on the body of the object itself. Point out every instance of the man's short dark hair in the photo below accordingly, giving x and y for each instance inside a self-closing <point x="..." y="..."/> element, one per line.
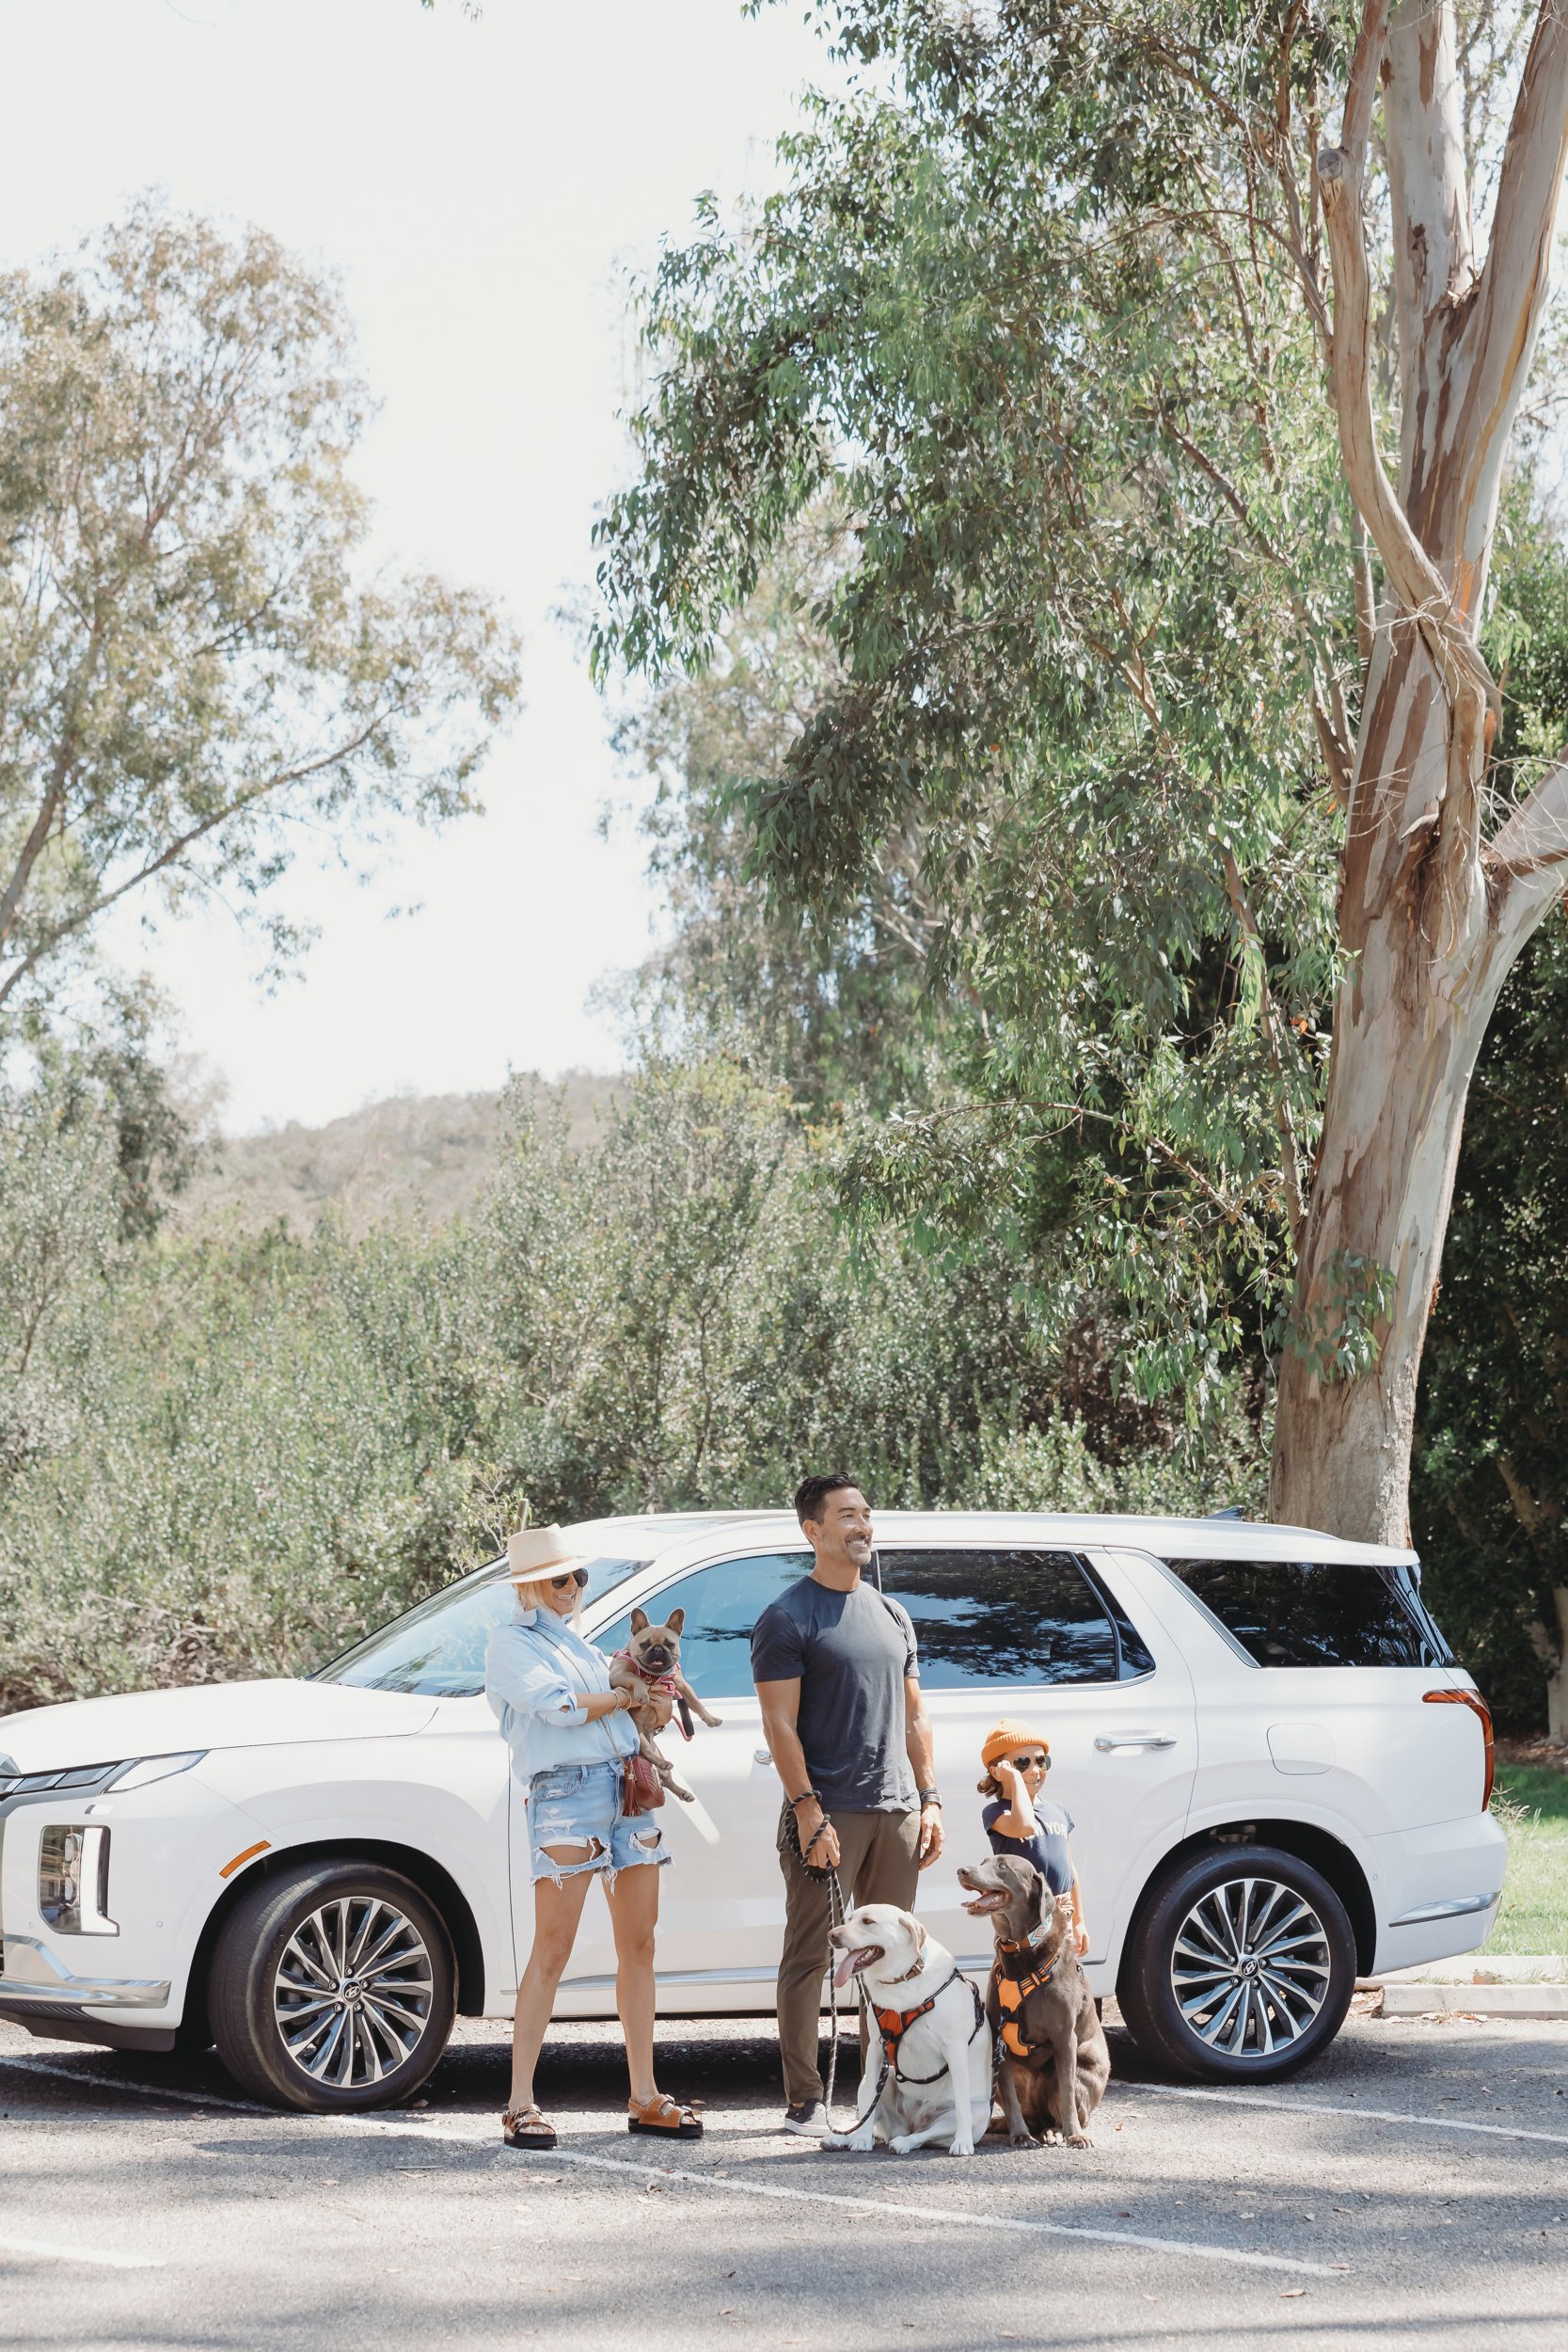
<point x="812" y="1493"/>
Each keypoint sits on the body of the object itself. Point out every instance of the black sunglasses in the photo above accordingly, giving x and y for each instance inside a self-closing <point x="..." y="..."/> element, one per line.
<point x="1024" y="1762"/>
<point x="573" y="1576"/>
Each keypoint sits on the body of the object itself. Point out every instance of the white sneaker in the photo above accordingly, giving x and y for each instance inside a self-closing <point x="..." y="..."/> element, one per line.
<point x="809" y="2118"/>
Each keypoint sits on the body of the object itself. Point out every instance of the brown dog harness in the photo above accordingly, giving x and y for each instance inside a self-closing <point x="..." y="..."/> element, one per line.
<point x="1014" y="1983"/>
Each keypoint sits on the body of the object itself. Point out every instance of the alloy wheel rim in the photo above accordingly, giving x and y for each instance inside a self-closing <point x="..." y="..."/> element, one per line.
<point x="1251" y="1966"/>
<point x="353" y="1992"/>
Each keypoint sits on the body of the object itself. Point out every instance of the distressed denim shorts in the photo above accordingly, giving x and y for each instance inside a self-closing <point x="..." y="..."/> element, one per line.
<point x="580" y="1804"/>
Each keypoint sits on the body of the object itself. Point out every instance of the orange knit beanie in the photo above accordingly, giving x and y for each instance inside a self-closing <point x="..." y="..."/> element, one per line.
<point x="1007" y="1739"/>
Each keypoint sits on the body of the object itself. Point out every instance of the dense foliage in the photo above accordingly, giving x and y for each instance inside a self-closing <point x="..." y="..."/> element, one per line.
<point x="241" y="1452"/>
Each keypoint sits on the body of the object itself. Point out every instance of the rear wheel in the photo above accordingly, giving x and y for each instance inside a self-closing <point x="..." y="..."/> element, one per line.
<point x="333" y="1988"/>
<point x="1242" y="1967"/>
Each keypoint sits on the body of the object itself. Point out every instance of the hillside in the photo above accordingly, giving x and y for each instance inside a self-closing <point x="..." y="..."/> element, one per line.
<point x="428" y="1154"/>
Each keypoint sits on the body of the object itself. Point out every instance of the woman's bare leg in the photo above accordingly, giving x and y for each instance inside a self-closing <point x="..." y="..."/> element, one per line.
<point x="556" y="1912"/>
<point x="634" y="1915"/>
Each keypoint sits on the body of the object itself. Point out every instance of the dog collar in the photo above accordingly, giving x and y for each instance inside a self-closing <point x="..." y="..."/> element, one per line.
<point x="1025" y="1944"/>
<point x="655" y="1682"/>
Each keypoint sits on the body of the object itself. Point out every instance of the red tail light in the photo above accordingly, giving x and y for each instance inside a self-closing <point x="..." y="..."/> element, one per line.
<point x="1477" y="1704"/>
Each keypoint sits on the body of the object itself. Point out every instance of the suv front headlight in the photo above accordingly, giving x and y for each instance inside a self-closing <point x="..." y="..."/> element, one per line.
<point x="143" y="1770"/>
<point x="74" y="1879"/>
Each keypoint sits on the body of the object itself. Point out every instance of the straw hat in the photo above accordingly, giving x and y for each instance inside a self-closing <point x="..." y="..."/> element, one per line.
<point x="537" y="1551"/>
<point x="1007" y="1739"/>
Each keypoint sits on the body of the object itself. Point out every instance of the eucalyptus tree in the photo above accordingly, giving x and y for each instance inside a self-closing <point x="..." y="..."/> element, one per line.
<point x="198" y="663"/>
<point x="1166" y="438"/>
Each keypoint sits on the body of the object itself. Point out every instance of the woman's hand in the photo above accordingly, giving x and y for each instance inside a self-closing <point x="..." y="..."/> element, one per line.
<point x="1081" y="1937"/>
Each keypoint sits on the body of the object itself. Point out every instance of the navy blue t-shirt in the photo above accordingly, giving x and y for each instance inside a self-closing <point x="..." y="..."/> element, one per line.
<point x="1047" y="1850"/>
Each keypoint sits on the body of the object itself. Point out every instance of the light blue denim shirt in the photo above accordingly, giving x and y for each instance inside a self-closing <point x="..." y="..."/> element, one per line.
<point x="535" y="1670"/>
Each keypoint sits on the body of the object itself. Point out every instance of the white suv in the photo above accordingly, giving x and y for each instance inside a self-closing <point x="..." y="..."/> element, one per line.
<point x="1278" y="1773"/>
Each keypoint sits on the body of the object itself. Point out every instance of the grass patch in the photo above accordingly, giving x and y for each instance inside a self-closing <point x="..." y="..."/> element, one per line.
<point x="1532" y="1803"/>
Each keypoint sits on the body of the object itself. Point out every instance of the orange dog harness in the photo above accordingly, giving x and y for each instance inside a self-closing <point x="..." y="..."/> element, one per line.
<point x="894" y="2024"/>
<point x="1014" y="1984"/>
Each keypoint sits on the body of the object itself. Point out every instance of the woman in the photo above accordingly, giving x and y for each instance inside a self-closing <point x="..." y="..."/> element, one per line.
<point x="1017" y="1761"/>
<point x="570" y="1737"/>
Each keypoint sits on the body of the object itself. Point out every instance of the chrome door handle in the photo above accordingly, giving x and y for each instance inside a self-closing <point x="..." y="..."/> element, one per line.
<point x="1133" y="1739"/>
<point x="761" y="1755"/>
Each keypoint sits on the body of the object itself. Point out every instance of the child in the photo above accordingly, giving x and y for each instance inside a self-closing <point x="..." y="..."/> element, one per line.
<point x="1016" y="1762"/>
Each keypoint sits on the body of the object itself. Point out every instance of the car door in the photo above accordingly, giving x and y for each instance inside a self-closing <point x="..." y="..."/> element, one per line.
<point x="1042" y="1637"/>
<point x="721" y="1903"/>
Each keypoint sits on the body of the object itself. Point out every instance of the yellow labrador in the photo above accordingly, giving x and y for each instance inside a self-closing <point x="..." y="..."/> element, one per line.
<point x="935" y="2057"/>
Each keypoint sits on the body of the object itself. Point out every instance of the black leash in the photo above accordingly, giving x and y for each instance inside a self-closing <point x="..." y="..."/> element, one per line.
<point x="828" y="1871"/>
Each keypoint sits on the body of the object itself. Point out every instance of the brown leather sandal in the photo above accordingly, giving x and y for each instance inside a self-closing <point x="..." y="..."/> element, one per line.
<point x="527" y="2130"/>
<point x="663" y="2118"/>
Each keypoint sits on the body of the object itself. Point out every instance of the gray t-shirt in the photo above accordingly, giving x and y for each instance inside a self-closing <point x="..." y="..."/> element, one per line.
<point x="850" y="1653"/>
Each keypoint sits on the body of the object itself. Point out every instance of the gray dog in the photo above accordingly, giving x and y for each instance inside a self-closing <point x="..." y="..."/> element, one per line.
<point x="1054" y="2063"/>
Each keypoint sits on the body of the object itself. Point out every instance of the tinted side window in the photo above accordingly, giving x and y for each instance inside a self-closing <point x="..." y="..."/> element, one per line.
<point x="1002" y="1617"/>
<point x="1306" y="1613"/>
<point x="722" y="1604"/>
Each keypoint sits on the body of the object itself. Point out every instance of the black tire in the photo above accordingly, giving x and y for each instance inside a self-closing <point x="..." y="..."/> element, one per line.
<point x="1266" y="1959"/>
<point x="292" y="2036"/>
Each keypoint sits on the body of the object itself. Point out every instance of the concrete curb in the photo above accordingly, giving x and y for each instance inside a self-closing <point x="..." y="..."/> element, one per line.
<point x="1470" y="2000"/>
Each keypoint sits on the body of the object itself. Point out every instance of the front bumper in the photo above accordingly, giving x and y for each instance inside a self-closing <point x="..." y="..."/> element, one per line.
<point x="30" y="1972"/>
<point x="36" y="1992"/>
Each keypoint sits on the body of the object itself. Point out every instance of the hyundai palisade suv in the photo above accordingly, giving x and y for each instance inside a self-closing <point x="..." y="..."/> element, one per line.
<point x="1279" y="1776"/>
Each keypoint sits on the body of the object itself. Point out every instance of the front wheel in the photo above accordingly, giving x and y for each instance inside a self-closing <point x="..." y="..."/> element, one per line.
<point x="1242" y="1967"/>
<point x="333" y="1988"/>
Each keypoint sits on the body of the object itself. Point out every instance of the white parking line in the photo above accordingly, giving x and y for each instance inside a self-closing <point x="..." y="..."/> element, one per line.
<point x="734" y="2185"/>
<point x="728" y="2183"/>
<point x="387" y="2128"/>
<point x="1364" y="2115"/>
<point x="1127" y="2090"/>
<point x="75" y="2252"/>
<point x="144" y="2090"/>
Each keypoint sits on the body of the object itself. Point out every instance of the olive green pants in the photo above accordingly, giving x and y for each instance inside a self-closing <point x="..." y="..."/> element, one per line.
<point x="878" y="1863"/>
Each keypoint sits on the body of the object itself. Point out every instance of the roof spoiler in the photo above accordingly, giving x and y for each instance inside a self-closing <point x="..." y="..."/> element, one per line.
<point x="1232" y="1511"/>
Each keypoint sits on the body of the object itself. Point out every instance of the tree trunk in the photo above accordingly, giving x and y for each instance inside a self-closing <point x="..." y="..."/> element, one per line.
<point x="1432" y="916"/>
<point x="1557" y="1682"/>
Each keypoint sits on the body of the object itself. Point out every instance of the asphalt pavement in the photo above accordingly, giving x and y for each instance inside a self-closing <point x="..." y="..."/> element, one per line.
<point x="1411" y="2191"/>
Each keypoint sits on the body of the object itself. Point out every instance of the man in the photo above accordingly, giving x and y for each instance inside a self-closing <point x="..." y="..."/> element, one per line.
<point x="837" y="1673"/>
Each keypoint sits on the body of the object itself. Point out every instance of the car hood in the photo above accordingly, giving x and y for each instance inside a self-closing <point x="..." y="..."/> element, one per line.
<point x="213" y="1715"/>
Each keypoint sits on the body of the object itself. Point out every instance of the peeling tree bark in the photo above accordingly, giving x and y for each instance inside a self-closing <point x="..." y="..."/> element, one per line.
<point x="1432" y="915"/>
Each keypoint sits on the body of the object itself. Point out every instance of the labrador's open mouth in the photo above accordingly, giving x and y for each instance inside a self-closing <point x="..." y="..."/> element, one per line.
<point x="859" y="1957"/>
<point x="991" y="1900"/>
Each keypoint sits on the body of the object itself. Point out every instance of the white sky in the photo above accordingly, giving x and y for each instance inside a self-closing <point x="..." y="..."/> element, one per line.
<point x="478" y="184"/>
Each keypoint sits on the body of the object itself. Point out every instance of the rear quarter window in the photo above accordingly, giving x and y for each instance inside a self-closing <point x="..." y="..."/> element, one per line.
<point x="1313" y="1613"/>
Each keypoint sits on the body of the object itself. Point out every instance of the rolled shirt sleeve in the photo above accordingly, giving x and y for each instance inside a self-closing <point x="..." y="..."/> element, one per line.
<point x="516" y="1676"/>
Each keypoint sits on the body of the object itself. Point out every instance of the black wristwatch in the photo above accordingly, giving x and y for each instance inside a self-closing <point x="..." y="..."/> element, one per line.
<point x="929" y="1796"/>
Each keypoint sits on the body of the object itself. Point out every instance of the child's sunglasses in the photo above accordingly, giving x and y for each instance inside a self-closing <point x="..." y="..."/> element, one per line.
<point x="573" y="1576"/>
<point x="1027" y="1763"/>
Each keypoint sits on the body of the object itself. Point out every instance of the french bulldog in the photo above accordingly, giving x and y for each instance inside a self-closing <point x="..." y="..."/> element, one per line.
<point x="650" y="1669"/>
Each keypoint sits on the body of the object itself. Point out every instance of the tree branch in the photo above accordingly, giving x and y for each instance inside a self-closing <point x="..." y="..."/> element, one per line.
<point x="1414" y="578"/>
<point x="1361" y="89"/>
<point x="1514" y="284"/>
<point x="1528" y="852"/>
<point x="187" y="840"/>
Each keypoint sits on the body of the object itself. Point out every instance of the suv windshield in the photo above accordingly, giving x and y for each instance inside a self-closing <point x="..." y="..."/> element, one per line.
<point x="438" y="1649"/>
